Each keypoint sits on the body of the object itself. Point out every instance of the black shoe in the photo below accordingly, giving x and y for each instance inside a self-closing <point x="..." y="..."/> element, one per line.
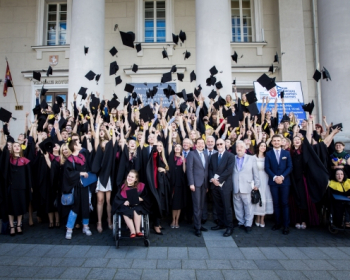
<point x="248" y="229"/>
<point x="216" y="221"/>
<point x="203" y="221"/>
<point x="158" y="233"/>
<point x="203" y="229"/>
<point x="241" y="227"/>
<point x="228" y="232"/>
<point x="19" y="232"/>
<point x="276" y="227"/>
<point x="198" y="233"/>
<point x="14" y="233"/>
<point x="285" y="231"/>
<point x="217" y="227"/>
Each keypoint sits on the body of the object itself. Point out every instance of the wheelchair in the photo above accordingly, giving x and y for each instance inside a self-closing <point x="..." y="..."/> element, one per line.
<point x="120" y="231"/>
<point x="333" y="203"/>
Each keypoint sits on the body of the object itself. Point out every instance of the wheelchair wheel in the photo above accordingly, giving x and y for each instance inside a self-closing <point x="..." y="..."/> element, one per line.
<point x="332" y="230"/>
<point x="146" y="226"/>
<point x="117" y="244"/>
<point x="147" y="242"/>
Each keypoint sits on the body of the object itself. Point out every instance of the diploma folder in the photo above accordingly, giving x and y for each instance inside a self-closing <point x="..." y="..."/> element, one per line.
<point x="132" y="196"/>
<point x="341" y="197"/>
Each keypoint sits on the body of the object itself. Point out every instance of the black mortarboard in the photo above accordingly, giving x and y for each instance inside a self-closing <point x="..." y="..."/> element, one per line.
<point x="264" y="80"/>
<point x="113" y="68"/>
<point x="134" y="95"/>
<point x="309" y="107"/>
<point x="171" y="111"/>
<point x="10" y="139"/>
<point x="187" y="54"/>
<point x="197" y="92"/>
<point x="183" y="107"/>
<point x="146" y="113"/>
<point x="173" y="69"/>
<point x="234" y="82"/>
<point x="113" y="51"/>
<point x="217" y="105"/>
<point x="213" y="71"/>
<point x="276" y="58"/>
<point x="182" y="36"/>
<point x="55" y="109"/>
<point x="180" y="77"/>
<point x="118" y="80"/>
<point x="233" y="121"/>
<point x="317" y="75"/>
<point x="94" y="104"/>
<point x="135" y="68"/>
<point x="182" y="94"/>
<point x="282" y="94"/>
<point x="43" y="104"/>
<point x="226" y="113"/>
<point x="90" y="75"/>
<point x="199" y="87"/>
<point x="49" y="71"/>
<point x="167" y="92"/>
<point x="47" y="145"/>
<point x="212" y="95"/>
<point x="86" y="50"/>
<point x="82" y="92"/>
<point x="271" y="68"/>
<point x="193" y="76"/>
<point x="62" y="123"/>
<point x="114" y="103"/>
<point x="190" y="97"/>
<point x="59" y="100"/>
<point x="43" y="91"/>
<point x="154" y="90"/>
<point x="165" y="54"/>
<point x="340" y="125"/>
<point x="97" y="78"/>
<point x="222" y="101"/>
<point x="253" y="109"/>
<point x="36" y="75"/>
<point x="37" y="110"/>
<point x="251" y="97"/>
<point x="138" y="47"/>
<point x="218" y="85"/>
<point x="271" y="85"/>
<point x="129" y="88"/>
<point x="126" y="100"/>
<point x="234" y="57"/>
<point x="210" y="81"/>
<point x="5" y="115"/>
<point x="325" y="74"/>
<point x="128" y="38"/>
<point x="166" y="77"/>
<point x="175" y="39"/>
<point x="285" y="118"/>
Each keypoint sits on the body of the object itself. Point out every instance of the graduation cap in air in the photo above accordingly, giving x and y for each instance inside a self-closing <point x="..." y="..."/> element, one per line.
<point x="253" y="109"/>
<point x="135" y="68"/>
<point x="114" y="103"/>
<point x="171" y="111"/>
<point x="175" y="39"/>
<point x="134" y="95"/>
<point x="233" y="121"/>
<point x="190" y="97"/>
<point x="199" y="87"/>
<point x="226" y="113"/>
<point x="136" y="102"/>
<point x="90" y="75"/>
<point x="276" y="58"/>
<point x="251" y="97"/>
<point x="43" y="104"/>
<point x="154" y="90"/>
<point x="271" y="68"/>
<point x="187" y="54"/>
<point x="173" y="69"/>
<point x="325" y="74"/>
<point x="340" y="125"/>
<point x="266" y="81"/>
<point x="213" y="71"/>
<point x="317" y="75"/>
<point x="94" y="104"/>
<point x="126" y="100"/>
<point x="197" y="92"/>
<point x="210" y="81"/>
<point x="234" y="57"/>
<point x="138" y="47"/>
<point x="193" y="76"/>
<point x="86" y="50"/>
<point x="43" y="91"/>
<point x="216" y="105"/>
<point x="55" y="109"/>
<point x="82" y="92"/>
<point x="166" y="77"/>
<point x="36" y="110"/>
<point x="180" y="77"/>
<point x="165" y="54"/>
<point x="59" y="100"/>
<point x="128" y="38"/>
<point x="146" y="113"/>
<point x="309" y="107"/>
<point x="97" y="78"/>
<point x="36" y="75"/>
<point x="285" y="118"/>
<point x="222" y="101"/>
<point x="113" y="68"/>
<point x="113" y="51"/>
<point x="212" y="94"/>
<point x="168" y="91"/>
<point x="62" y="123"/>
<point x="183" y="107"/>
<point x="234" y="82"/>
<point x="5" y="115"/>
<point x="182" y="36"/>
<point x="118" y="80"/>
<point x="182" y="94"/>
<point x="47" y="145"/>
<point x="282" y="94"/>
<point x="129" y="88"/>
<point x="49" y="71"/>
<point x="218" y="85"/>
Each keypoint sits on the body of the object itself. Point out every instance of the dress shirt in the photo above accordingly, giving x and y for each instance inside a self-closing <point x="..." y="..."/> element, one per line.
<point x="239" y="162"/>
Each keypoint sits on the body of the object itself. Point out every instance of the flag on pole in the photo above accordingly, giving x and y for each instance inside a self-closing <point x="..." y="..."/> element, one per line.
<point x="8" y="79"/>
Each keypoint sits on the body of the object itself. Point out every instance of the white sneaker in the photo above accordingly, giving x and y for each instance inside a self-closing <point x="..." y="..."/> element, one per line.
<point x="69" y="234"/>
<point x="87" y="231"/>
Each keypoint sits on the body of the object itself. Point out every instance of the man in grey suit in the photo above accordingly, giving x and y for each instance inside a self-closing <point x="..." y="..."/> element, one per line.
<point x="197" y="163"/>
<point x="245" y="178"/>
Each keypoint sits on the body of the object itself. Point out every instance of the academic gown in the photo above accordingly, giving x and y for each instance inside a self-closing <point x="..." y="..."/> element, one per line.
<point x="54" y="193"/>
<point x="178" y="183"/>
<point x="44" y="185"/>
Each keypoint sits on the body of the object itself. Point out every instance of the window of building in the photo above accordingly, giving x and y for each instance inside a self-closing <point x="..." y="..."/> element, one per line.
<point x="50" y="98"/>
<point x="241" y="18"/>
<point x="56" y="27"/>
<point x="155" y="21"/>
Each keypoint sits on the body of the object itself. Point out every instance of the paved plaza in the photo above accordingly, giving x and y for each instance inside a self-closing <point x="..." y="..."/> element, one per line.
<point x="44" y="254"/>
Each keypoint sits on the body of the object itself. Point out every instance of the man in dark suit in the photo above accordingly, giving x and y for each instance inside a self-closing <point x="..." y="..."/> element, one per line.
<point x="278" y="165"/>
<point x="146" y="154"/>
<point x="220" y="175"/>
<point x="197" y="163"/>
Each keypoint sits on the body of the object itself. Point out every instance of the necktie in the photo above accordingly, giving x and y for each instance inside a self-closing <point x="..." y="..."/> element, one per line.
<point x="185" y="154"/>
<point x="202" y="158"/>
<point x="209" y="154"/>
<point x="219" y="159"/>
<point x="278" y="156"/>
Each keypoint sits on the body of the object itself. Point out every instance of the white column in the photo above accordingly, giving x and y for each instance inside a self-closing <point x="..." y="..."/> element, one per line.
<point x="213" y="37"/>
<point x="88" y="22"/>
<point x="334" y="42"/>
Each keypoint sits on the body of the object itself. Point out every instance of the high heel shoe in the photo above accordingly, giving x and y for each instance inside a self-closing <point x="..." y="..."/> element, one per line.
<point x="51" y="226"/>
<point x="12" y="234"/>
<point x="58" y="225"/>
<point x="158" y="233"/>
<point x="99" y="228"/>
<point x="19" y="232"/>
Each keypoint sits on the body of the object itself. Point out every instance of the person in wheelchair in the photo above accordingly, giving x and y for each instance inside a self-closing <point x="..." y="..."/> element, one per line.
<point x="340" y="186"/>
<point x="132" y="211"/>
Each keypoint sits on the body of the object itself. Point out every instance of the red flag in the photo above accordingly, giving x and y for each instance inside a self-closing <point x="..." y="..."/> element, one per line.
<point x="8" y="79"/>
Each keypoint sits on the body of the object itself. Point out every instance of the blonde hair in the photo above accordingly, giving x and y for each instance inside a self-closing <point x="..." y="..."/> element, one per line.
<point x="62" y="157"/>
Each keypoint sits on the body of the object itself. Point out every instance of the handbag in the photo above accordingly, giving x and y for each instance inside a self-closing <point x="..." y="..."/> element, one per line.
<point x="68" y="198"/>
<point x="256" y="197"/>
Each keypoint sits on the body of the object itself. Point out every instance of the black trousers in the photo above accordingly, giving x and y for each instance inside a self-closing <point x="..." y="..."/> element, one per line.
<point x="222" y="197"/>
<point x="198" y="200"/>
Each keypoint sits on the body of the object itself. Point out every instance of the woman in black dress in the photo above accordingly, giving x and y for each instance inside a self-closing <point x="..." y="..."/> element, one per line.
<point x="132" y="213"/>
<point x="178" y="182"/>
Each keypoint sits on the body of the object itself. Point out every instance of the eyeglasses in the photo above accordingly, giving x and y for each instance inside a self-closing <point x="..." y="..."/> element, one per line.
<point x="219" y="144"/>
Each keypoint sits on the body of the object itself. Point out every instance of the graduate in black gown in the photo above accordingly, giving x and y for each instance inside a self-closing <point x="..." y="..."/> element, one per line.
<point x="132" y="213"/>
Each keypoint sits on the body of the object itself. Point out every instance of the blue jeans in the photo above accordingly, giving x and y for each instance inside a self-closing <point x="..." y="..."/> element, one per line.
<point x="72" y="218"/>
<point x="280" y="196"/>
